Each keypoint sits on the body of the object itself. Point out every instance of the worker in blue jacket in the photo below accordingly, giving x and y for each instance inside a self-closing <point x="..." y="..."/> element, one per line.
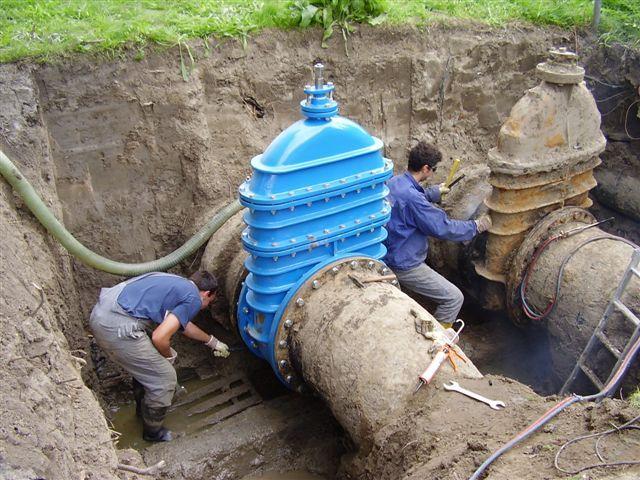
<point x="133" y="323"/>
<point x="414" y="218"/>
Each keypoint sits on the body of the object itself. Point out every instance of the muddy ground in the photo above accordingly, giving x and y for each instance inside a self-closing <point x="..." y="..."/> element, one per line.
<point x="133" y="159"/>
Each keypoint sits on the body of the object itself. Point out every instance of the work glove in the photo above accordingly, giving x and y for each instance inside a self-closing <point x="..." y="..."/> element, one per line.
<point x="219" y="349"/>
<point x="174" y="355"/>
<point x="443" y="189"/>
<point x="483" y="223"/>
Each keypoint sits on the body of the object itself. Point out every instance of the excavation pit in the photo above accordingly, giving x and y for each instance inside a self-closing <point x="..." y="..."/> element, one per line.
<point x="134" y="159"/>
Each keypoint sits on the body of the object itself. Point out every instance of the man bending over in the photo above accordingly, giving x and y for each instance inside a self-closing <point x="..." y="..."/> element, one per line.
<point x="120" y="321"/>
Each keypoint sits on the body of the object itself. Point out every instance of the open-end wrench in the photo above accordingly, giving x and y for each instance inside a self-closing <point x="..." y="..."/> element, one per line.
<point x="453" y="386"/>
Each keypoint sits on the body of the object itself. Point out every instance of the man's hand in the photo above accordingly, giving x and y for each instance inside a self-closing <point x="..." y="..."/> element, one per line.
<point x="174" y="355"/>
<point x="219" y="349"/>
<point x="483" y="223"/>
<point x="443" y="189"/>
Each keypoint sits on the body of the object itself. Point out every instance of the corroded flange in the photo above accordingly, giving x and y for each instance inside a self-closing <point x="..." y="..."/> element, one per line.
<point x="522" y="258"/>
<point x="294" y="313"/>
<point x="561" y="67"/>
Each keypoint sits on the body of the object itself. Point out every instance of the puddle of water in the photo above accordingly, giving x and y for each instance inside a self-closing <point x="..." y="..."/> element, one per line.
<point x="297" y="475"/>
<point x="177" y="420"/>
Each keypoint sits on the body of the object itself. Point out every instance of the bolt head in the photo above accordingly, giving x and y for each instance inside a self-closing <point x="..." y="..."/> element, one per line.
<point x="300" y="302"/>
<point x="283" y="364"/>
<point x="335" y="270"/>
<point x="282" y="344"/>
<point x="394" y="282"/>
<point x="245" y="310"/>
<point x="315" y="284"/>
<point x="289" y="378"/>
<point x="370" y="264"/>
<point x="288" y="323"/>
<point x="385" y="271"/>
<point x="354" y="265"/>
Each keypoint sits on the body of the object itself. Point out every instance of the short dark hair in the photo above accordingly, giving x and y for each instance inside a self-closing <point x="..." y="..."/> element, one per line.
<point x="423" y="154"/>
<point x="205" y="281"/>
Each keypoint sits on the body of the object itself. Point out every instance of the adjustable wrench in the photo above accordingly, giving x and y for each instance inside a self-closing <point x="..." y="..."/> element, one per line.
<point x="453" y="386"/>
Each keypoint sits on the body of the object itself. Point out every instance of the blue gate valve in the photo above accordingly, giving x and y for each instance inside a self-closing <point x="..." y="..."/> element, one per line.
<point x="316" y="195"/>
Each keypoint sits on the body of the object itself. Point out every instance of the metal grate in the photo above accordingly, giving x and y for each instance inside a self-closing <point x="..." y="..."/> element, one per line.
<point x="218" y="400"/>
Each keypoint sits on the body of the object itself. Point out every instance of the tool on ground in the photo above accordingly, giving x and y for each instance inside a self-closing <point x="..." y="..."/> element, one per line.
<point x="456" y="180"/>
<point x="445" y="350"/>
<point x="452" y="172"/>
<point x="455" y="387"/>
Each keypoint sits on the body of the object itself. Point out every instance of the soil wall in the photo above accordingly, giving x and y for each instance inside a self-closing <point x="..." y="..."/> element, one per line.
<point x="52" y="425"/>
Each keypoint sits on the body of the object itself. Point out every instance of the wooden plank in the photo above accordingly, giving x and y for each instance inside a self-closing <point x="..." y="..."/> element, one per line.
<point x="231" y="410"/>
<point x="220" y="399"/>
<point x="207" y="389"/>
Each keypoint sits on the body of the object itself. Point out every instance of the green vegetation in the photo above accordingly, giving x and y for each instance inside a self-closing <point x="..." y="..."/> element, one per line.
<point x="634" y="398"/>
<point x="44" y="29"/>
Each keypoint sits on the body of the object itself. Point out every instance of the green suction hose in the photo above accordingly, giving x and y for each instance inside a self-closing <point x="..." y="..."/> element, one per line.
<point x="74" y="247"/>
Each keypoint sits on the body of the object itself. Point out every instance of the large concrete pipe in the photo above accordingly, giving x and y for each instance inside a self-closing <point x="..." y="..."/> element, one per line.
<point x="573" y="279"/>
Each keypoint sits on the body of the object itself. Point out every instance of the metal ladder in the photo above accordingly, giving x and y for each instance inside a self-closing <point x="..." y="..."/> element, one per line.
<point x="599" y="335"/>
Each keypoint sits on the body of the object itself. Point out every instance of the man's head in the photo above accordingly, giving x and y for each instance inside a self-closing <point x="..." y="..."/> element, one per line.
<point x="208" y="286"/>
<point x="423" y="160"/>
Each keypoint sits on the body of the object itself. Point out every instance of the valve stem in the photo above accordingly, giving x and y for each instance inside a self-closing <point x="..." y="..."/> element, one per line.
<point x="318" y="79"/>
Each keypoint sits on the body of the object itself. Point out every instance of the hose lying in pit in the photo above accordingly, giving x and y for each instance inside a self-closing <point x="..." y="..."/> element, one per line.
<point x="531" y="429"/>
<point x="26" y="192"/>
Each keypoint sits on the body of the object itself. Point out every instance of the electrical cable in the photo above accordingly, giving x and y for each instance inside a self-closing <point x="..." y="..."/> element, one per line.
<point x="627" y="426"/>
<point x="622" y="85"/>
<point x="626" y="119"/>
<point x="529" y="311"/>
<point x="617" y="105"/>
<point x="559" y="407"/>
<point x="601" y="100"/>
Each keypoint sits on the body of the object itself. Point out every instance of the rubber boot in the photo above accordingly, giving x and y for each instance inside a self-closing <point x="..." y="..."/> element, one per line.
<point x="138" y="395"/>
<point x="152" y="429"/>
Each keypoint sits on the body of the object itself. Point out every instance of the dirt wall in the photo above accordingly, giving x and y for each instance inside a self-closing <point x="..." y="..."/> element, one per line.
<point x="52" y="425"/>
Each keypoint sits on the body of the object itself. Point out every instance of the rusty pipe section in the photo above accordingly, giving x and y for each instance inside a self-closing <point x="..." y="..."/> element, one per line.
<point x="594" y="263"/>
<point x="547" y="150"/>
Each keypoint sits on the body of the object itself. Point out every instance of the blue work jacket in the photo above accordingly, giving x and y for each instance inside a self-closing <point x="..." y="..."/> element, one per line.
<point x="413" y="219"/>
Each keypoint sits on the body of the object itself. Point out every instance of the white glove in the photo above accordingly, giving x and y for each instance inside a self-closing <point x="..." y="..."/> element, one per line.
<point x="443" y="189"/>
<point x="172" y="358"/>
<point x="219" y="349"/>
<point x="483" y="223"/>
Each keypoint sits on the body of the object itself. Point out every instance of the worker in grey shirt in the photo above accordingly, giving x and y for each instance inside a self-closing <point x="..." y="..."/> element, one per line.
<point x="120" y="321"/>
